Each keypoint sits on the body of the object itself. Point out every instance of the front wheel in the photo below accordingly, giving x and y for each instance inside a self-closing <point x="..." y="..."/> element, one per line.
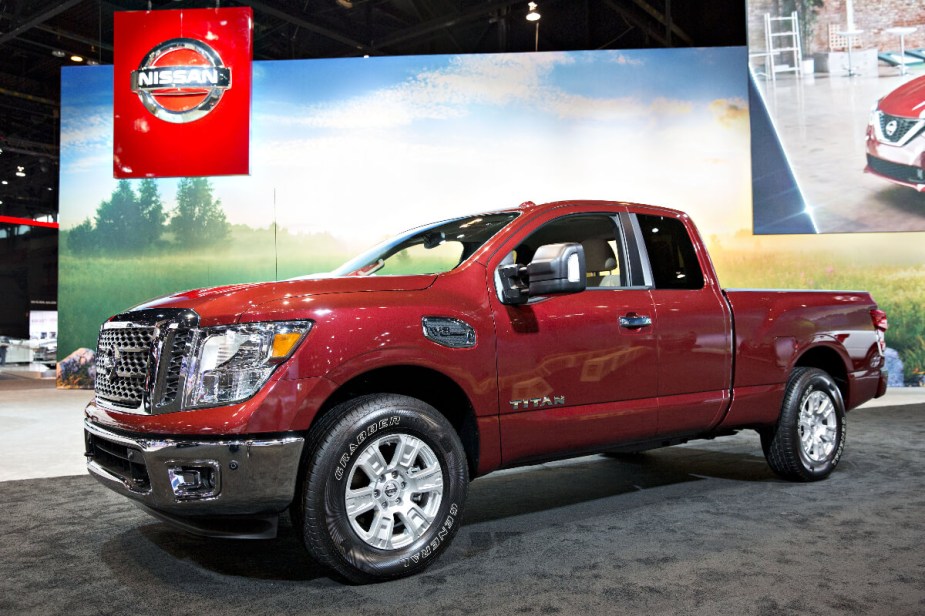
<point x="384" y="488"/>
<point x="807" y="442"/>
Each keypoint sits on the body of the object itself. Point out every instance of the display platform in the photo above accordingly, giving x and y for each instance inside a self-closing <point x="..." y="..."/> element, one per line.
<point x="704" y="528"/>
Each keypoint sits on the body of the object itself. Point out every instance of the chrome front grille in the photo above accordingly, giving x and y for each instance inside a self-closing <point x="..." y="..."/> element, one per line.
<point x="895" y="128"/>
<point x="181" y="345"/>
<point x="123" y="358"/>
<point x="141" y="358"/>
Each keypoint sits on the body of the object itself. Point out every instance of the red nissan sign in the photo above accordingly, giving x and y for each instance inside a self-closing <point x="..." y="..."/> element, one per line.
<point x="182" y="96"/>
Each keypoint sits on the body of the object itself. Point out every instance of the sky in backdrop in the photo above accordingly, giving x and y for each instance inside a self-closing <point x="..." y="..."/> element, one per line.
<point x="365" y="147"/>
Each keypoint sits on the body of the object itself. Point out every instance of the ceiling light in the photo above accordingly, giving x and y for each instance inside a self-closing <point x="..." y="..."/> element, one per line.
<point x="1" y="201"/>
<point x="347" y="4"/>
<point x="76" y="58"/>
<point x="4" y="182"/>
<point x="58" y="53"/>
<point x="20" y="172"/>
<point x="533" y="15"/>
<point x="92" y="62"/>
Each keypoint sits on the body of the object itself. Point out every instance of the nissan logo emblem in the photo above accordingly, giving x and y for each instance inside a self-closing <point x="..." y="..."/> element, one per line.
<point x="891" y="127"/>
<point x="181" y="80"/>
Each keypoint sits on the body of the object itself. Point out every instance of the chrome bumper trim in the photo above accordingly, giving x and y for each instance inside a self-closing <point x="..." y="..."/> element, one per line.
<point x="253" y="475"/>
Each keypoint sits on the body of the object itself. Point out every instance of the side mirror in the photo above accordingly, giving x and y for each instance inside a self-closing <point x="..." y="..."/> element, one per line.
<point x="513" y="286"/>
<point x="555" y="268"/>
<point x="558" y="268"/>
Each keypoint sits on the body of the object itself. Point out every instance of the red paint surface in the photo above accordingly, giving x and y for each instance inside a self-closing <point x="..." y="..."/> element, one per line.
<point x="217" y="144"/>
<point x="673" y="378"/>
<point x="775" y="328"/>
<point x="906" y="101"/>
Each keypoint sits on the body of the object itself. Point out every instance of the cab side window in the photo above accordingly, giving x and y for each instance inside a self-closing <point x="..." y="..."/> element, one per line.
<point x="671" y="253"/>
<point x="597" y="234"/>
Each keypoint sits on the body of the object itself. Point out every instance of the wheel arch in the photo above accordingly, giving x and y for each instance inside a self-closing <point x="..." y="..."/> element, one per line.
<point x="425" y="384"/>
<point x="829" y="360"/>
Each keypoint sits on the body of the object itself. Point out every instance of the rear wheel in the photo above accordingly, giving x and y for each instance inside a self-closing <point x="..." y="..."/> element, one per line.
<point x="808" y="440"/>
<point x="384" y="488"/>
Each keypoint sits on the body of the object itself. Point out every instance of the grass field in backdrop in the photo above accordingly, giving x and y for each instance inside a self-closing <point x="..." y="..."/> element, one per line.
<point x="92" y="288"/>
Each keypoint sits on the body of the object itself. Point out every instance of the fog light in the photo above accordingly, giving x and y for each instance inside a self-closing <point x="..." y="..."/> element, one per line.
<point x="194" y="482"/>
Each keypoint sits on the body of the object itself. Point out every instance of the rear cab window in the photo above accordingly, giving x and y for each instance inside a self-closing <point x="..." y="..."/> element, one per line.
<point x="672" y="256"/>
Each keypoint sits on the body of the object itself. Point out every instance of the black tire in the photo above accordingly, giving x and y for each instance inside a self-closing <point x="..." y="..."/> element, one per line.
<point x="341" y="453"/>
<point x="784" y="447"/>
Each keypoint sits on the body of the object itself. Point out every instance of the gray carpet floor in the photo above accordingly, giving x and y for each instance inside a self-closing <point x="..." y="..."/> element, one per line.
<point x="699" y="529"/>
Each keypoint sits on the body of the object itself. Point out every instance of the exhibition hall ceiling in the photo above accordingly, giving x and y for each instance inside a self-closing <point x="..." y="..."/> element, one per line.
<point x="38" y="37"/>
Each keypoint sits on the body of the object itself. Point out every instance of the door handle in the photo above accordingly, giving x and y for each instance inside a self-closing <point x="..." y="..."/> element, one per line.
<point x="635" y="321"/>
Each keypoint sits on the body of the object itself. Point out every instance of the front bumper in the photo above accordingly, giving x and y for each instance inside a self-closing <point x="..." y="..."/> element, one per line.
<point x="899" y="157"/>
<point x="912" y="176"/>
<point x="195" y="481"/>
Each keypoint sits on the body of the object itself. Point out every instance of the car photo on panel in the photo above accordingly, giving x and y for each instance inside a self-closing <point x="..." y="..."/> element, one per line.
<point x="895" y="139"/>
<point x="837" y="105"/>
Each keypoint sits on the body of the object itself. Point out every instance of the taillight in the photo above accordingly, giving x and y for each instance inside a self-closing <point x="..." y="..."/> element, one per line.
<point x="879" y="319"/>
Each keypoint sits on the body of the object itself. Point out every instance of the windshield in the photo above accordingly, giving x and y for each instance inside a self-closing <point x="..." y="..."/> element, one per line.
<point x="432" y="249"/>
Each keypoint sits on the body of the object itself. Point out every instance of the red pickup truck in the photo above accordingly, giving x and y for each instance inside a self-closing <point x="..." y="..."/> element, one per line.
<point x="365" y="400"/>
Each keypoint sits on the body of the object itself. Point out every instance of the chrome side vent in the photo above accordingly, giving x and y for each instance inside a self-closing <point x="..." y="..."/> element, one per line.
<point x="448" y="332"/>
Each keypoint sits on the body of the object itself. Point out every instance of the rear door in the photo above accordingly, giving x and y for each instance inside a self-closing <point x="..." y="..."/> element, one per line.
<point x="694" y="326"/>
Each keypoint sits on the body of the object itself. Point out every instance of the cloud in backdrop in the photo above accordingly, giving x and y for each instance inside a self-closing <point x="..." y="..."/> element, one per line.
<point x="363" y="147"/>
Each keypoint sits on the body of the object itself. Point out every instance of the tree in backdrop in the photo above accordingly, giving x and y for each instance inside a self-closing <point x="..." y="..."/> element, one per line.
<point x="198" y="218"/>
<point x="130" y="222"/>
<point x="117" y="219"/>
<point x="82" y="238"/>
<point x="126" y="222"/>
<point x="151" y="212"/>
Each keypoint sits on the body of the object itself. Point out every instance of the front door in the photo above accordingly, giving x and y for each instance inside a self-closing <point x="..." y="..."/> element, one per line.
<point x="576" y="371"/>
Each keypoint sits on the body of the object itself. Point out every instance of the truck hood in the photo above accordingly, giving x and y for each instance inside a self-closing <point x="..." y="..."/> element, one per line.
<point x="906" y="101"/>
<point x="224" y="305"/>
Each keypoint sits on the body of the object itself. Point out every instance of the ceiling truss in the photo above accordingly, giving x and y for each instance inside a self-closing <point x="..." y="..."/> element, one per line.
<point x="31" y="30"/>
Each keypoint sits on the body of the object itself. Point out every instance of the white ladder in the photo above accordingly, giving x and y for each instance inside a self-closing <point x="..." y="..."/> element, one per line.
<point x="783" y="38"/>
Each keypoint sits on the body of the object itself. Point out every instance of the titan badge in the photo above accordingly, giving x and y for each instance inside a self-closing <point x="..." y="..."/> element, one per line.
<point x="537" y="403"/>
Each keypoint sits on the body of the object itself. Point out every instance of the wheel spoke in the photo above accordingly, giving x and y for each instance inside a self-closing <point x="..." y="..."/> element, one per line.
<point x="429" y="480"/>
<point x="371" y="462"/>
<point x="819" y="403"/>
<point x="380" y="533"/>
<point x="406" y="452"/>
<point x="807" y="439"/>
<point x="415" y="520"/>
<point x="359" y="501"/>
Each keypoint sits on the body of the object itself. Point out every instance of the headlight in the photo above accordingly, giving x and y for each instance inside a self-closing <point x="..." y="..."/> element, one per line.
<point x="873" y="117"/>
<point x="231" y="363"/>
